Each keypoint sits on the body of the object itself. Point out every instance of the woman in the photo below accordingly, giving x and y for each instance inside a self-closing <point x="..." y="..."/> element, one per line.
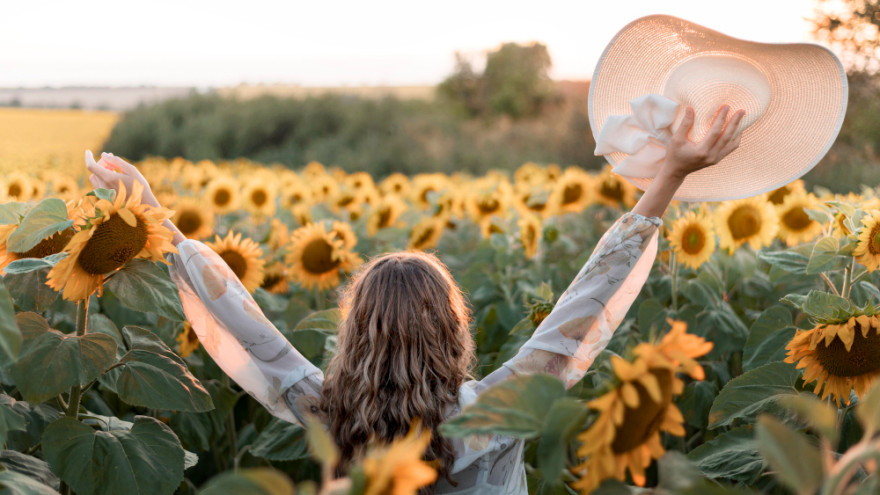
<point x="404" y="347"/>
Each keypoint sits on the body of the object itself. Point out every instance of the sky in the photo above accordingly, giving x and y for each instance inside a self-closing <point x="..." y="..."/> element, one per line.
<point x="333" y="43"/>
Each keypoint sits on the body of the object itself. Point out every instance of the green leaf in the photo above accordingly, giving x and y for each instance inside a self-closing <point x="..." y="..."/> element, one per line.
<point x="696" y="401"/>
<point x="322" y="321"/>
<point x="51" y="362"/>
<point x="101" y="193"/>
<point x="27" y="265"/>
<point x="795" y="300"/>
<point x="768" y="336"/>
<point x="826" y="307"/>
<point x="651" y="314"/>
<point x="9" y="421"/>
<point x="29" y="290"/>
<point x="524" y="327"/>
<point x="12" y="212"/>
<point x="310" y="343"/>
<point x="563" y="422"/>
<point x="30" y="466"/>
<point x="732" y="455"/>
<point x="320" y="444"/>
<point x="14" y="483"/>
<point x="819" y="215"/>
<point x="753" y="391"/>
<point x="700" y="294"/>
<point x="796" y="461"/>
<point x="515" y="407"/>
<point x="201" y="430"/>
<point x="10" y="335"/>
<point x="142" y="285"/>
<point x="677" y="472"/>
<point x="820" y="415"/>
<point x="251" y="481"/>
<point x="43" y="220"/>
<point x="153" y="380"/>
<point x="824" y="252"/>
<point x="36" y="418"/>
<point x="281" y="441"/>
<point x="147" y="459"/>
<point x="143" y="339"/>
<point x="789" y="261"/>
<point x="868" y="410"/>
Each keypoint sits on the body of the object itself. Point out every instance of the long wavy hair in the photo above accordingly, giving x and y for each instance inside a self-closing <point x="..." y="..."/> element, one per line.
<point x="404" y="348"/>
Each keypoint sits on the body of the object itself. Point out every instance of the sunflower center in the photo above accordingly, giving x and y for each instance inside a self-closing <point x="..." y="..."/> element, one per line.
<point x="423" y="238"/>
<point x="611" y="189"/>
<point x="317" y="257"/>
<point x="861" y="359"/>
<point x="113" y="244"/>
<point x="640" y="423"/>
<point x="530" y="234"/>
<point x="874" y="246"/>
<point x="572" y="193"/>
<point x="259" y="197"/>
<point x="487" y="206"/>
<point x="190" y="221"/>
<point x="222" y="197"/>
<point x="424" y="195"/>
<point x="744" y="222"/>
<point x="796" y="219"/>
<point x="50" y="245"/>
<point x="15" y="189"/>
<point x="235" y="261"/>
<point x="778" y="196"/>
<point x="271" y="280"/>
<point x="693" y="240"/>
<point x="384" y="217"/>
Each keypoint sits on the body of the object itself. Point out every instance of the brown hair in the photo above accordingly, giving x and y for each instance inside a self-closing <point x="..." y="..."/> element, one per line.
<point x="404" y="348"/>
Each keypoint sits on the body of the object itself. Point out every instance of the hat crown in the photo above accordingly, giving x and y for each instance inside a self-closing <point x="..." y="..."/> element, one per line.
<point x="708" y="81"/>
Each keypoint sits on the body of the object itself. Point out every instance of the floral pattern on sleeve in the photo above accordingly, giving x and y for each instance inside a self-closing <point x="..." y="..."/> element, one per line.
<point x="239" y="337"/>
<point x="590" y="310"/>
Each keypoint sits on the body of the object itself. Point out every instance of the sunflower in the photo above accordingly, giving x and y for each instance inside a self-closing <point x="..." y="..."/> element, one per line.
<point x="279" y="235"/>
<point x="777" y="196"/>
<point x="243" y="256"/>
<point x="360" y="181"/>
<point x="867" y="251"/>
<point x="344" y="233"/>
<point x="537" y="200"/>
<point x="491" y="226"/>
<point x="529" y="174"/>
<point x="395" y="183"/>
<point x="302" y="213"/>
<point x="295" y="193"/>
<point x="426" y="234"/>
<point x="530" y="234"/>
<point x="18" y="187"/>
<point x="795" y="226"/>
<point x="258" y="197"/>
<point x="187" y="340"/>
<point x="610" y="189"/>
<point x="316" y="257"/>
<point x="692" y="239"/>
<point x="424" y="185"/>
<point x="399" y="468"/>
<point x="626" y="434"/>
<point x="112" y="235"/>
<point x="751" y="220"/>
<point x="275" y="278"/>
<point x="314" y="169"/>
<point x="222" y="194"/>
<point x="52" y="244"/>
<point x="573" y="191"/>
<point x="194" y="220"/>
<point x="323" y="187"/>
<point x="487" y="201"/>
<point x="65" y="188"/>
<point x="838" y="226"/>
<point x="385" y="214"/>
<point x="841" y="357"/>
<point x="450" y="204"/>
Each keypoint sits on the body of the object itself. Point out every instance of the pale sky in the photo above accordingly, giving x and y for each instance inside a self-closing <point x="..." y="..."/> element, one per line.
<point x="318" y="43"/>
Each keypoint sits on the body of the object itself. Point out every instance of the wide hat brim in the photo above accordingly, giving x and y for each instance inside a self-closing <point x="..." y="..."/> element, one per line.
<point x="806" y="109"/>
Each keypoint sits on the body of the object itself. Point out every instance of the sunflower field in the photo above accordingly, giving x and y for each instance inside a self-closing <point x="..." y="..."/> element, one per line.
<point x="746" y="365"/>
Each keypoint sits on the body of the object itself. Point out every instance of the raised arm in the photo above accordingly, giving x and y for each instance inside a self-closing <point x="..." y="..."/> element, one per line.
<point x="590" y="310"/>
<point x="226" y="319"/>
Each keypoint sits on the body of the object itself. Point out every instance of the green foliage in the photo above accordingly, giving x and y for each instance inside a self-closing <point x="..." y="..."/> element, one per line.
<point x="753" y="391"/>
<point x="254" y="481"/>
<point x="43" y="220"/>
<point x="146" y="459"/>
<point x="145" y="286"/>
<point x="10" y="335"/>
<point x="796" y="461"/>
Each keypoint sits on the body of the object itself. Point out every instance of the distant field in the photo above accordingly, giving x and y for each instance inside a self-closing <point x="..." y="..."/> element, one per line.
<point x="247" y="91"/>
<point x="35" y="139"/>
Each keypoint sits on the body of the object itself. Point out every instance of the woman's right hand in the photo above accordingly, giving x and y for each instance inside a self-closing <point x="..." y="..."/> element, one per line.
<point x="110" y="170"/>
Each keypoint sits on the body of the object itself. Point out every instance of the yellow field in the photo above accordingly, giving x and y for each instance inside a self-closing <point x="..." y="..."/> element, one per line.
<point x="37" y="139"/>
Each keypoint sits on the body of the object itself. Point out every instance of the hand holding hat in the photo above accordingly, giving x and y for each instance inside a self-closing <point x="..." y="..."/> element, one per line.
<point x="794" y="96"/>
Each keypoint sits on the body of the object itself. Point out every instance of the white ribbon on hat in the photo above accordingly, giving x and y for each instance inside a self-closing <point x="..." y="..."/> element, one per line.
<point x="643" y="135"/>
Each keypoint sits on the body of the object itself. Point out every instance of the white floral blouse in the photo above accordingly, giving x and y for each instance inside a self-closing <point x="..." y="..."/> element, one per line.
<point x="246" y="345"/>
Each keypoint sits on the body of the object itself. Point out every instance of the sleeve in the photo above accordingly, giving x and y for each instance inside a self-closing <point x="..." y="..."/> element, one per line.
<point x="581" y="324"/>
<point x="239" y="337"/>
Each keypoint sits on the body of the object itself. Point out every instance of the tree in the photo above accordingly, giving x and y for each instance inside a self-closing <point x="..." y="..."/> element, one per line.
<point x="515" y="82"/>
<point x="853" y="28"/>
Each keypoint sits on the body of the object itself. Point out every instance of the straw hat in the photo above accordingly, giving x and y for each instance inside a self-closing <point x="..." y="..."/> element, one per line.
<point x="794" y="95"/>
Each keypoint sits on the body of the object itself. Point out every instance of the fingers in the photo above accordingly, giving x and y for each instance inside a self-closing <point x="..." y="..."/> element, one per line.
<point x="99" y="182"/>
<point x="729" y="147"/>
<point x="122" y="165"/>
<point x="108" y="176"/>
<point x="687" y="123"/>
<point x="717" y="126"/>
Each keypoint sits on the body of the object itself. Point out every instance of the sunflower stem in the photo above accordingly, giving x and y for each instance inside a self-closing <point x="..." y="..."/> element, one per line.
<point x="673" y="269"/>
<point x="842" y="473"/>
<point x="319" y="299"/>
<point x="82" y="315"/>
<point x="230" y="425"/>
<point x="829" y="283"/>
<point x="847" y="279"/>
